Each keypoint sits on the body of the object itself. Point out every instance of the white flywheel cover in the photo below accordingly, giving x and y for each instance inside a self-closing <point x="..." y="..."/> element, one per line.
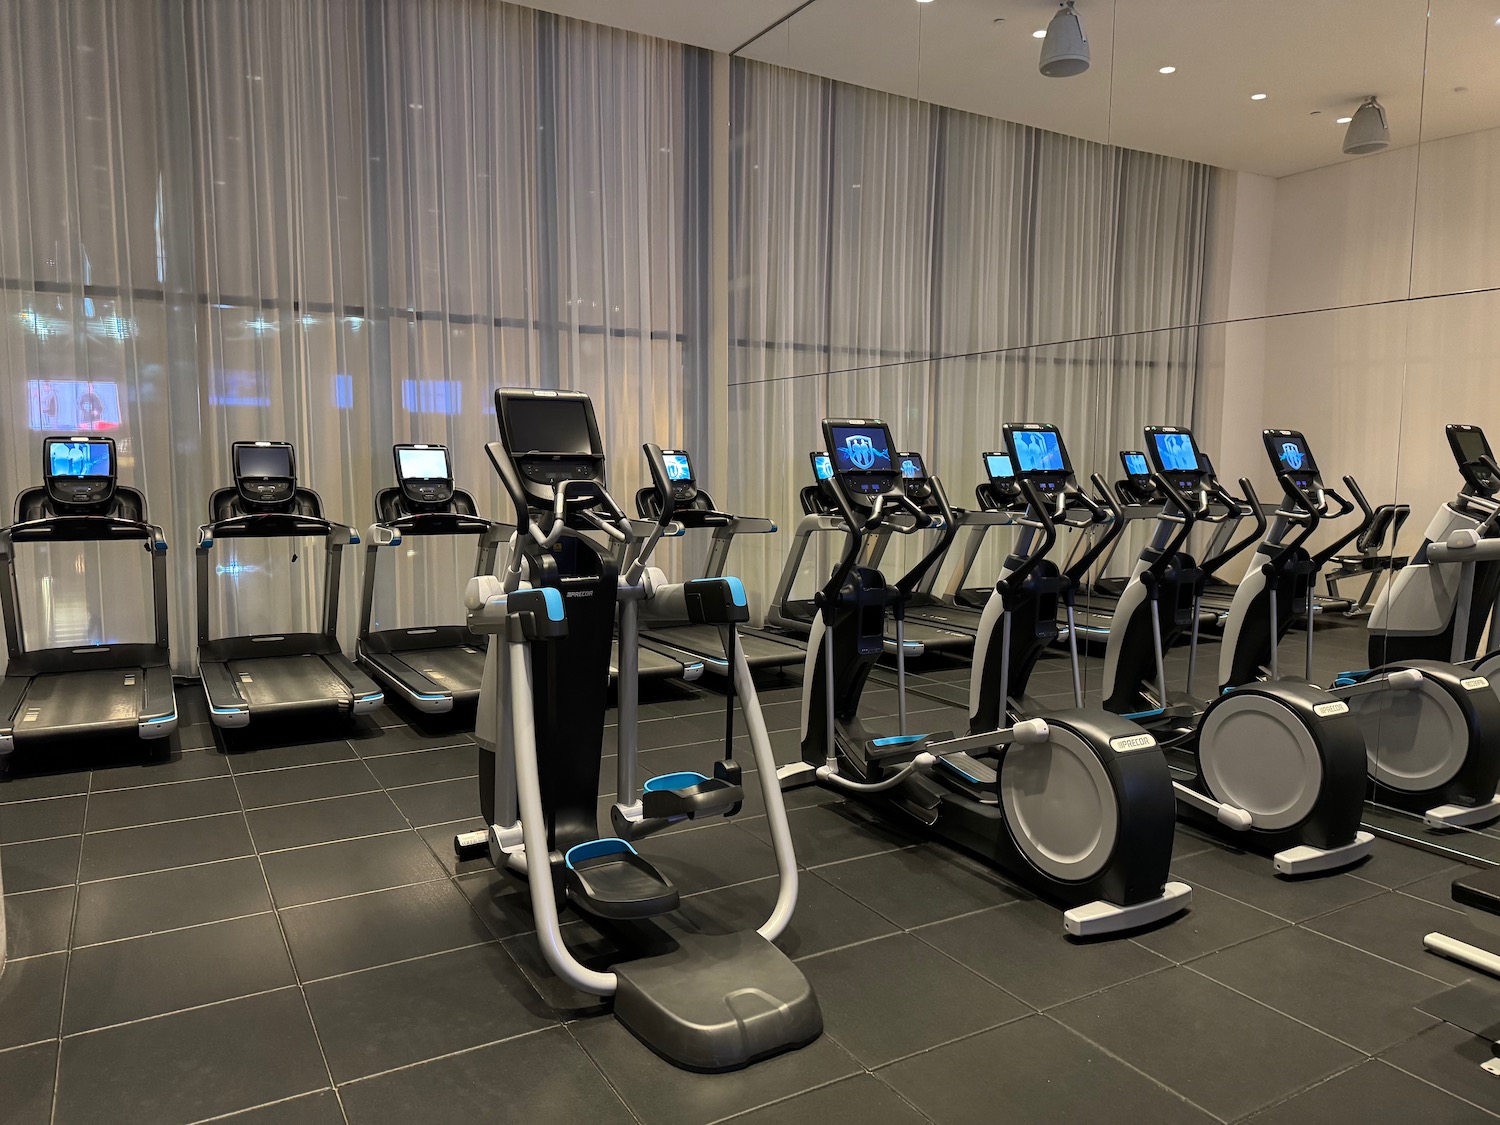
<point x="1060" y="805"/>
<point x="1415" y="740"/>
<point x="1257" y="754"/>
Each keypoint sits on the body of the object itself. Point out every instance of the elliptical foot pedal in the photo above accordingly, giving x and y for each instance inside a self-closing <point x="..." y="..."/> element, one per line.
<point x="1100" y="917"/>
<point x="899" y="748"/>
<point x="1308" y="860"/>
<point x="673" y="796"/>
<point x="718" y="1003"/>
<point x="1462" y="816"/>
<point x="606" y="877"/>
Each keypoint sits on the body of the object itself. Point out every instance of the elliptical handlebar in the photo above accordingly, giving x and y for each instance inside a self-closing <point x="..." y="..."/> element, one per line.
<point x="1250" y="506"/>
<point x="1110" y="514"/>
<point x="1367" y="517"/>
<point x="909" y="581"/>
<point x="1188" y="516"/>
<point x="1044" y="522"/>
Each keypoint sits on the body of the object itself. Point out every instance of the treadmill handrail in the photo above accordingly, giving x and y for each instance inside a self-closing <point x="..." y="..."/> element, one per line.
<point x="62" y="528"/>
<point x="274" y="525"/>
<point x="436" y="523"/>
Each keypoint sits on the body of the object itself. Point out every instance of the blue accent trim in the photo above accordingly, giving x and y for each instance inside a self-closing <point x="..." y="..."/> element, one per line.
<point x="737" y="591"/>
<point x="963" y="773"/>
<point x="670" y="781"/>
<point x="553" y="597"/>
<point x="1151" y="714"/>
<point x="1350" y="678"/>
<point x="610" y="845"/>
<point x="354" y="539"/>
<point x="898" y="740"/>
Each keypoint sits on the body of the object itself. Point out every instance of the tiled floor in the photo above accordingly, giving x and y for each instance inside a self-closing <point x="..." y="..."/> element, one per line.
<point x="281" y="934"/>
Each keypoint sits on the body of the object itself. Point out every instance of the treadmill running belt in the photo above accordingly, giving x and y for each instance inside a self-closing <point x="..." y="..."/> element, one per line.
<point x="275" y="683"/>
<point x="77" y="703"/>
<point x="458" y="671"/>
<point x="703" y="643"/>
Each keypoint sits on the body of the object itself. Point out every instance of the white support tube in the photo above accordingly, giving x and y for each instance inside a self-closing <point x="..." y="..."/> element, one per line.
<point x="534" y="832"/>
<point x="1275" y="636"/>
<point x="1073" y="656"/>
<point x="627" y="701"/>
<point x="831" y="751"/>
<point x="1463" y="952"/>
<point x="901" y="674"/>
<point x="923" y="761"/>
<point x="1228" y="815"/>
<point x="1161" y="659"/>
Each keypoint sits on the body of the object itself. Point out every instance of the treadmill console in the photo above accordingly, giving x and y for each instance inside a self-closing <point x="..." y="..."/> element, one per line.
<point x="79" y="472"/>
<point x="1173" y="455"/>
<point x="265" y="472"/>
<point x="1476" y="461"/>
<point x="425" y="475"/>
<point x="680" y="474"/>
<point x="860" y="449"/>
<point x="1293" y="460"/>
<point x="914" y="477"/>
<point x="1001" y="473"/>
<point x="1137" y="487"/>
<point x="552" y="436"/>
<point x="1039" y="456"/>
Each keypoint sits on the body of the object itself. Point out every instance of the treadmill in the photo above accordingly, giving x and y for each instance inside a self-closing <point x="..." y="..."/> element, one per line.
<point x="304" y="675"/>
<point x="429" y="667"/>
<point x="995" y="497"/>
<point x="694" y="509"/>
<point x="94" y="688"/>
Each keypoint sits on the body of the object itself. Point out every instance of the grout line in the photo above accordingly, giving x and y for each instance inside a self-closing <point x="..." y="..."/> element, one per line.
<point x="451" y="1054"/>
<point x="267" y="1105"/>
<point x="163" y="870"/>
<point x="177" y="1012"/>
<point x="567" y="1026"/>
<point x="174" y="929"/>
<point x="62" y="1005"/>
<point x="440" y="877"/>
<point x="1381" y="1059"/>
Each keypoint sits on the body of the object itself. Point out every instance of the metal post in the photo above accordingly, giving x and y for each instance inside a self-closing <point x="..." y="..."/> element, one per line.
<point x="1073" y="655"/>
<point x="901" y="674"/>
<point x="627" y="688"/>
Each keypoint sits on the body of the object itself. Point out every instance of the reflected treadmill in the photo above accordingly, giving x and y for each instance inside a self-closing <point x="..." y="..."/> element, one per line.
<point x="429" y="667"/>
<point x="694" y="509"/>
<point x="90" y="689"/>
<point x="277" y="674"/>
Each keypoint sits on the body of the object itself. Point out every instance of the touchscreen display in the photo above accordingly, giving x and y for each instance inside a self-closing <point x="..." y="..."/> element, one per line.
<point x="861" y="449"/>
<point x="423" y="464"/>
<point x="1175" y="452"/>
<point x="1471" y="445"/>
<point x="80" y="459"/>
<point x="822" y="466"/>
<point x="678" y="466"/>
<point x="998" y="466"/>
<point x="549" y="425"/>
<point x="1135" y="465"/>
<point x="1292" y="454"/>
<point x="262" y="461"/>
<point x="912" y="468"/>
<point x="1038" y="451"/>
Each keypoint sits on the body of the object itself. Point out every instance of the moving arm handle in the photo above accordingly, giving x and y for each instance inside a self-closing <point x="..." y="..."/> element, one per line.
<point x="1250" y="506"/>
<point x="909" y="581"/>
<point x="1109" y="514"/>
<point x="1038" y="506"/>
<point x="1188" y="515"/>
<point x="666" y="502"/>
<point x="1367" y="517"/>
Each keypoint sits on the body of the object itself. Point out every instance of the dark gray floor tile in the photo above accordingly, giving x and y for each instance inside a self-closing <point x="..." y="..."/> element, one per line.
<point x="825" y="917"/>
<point x="540" y="1077"/>
<point x="26" y="1076"/>
<point x="190" y="765"/>
<point x="379" y="1019"/>
<point x="1438" y="888"/>
<point x="861" y="1100"/>
<point x="1392" y="927"/>
<point x="165" y="900"/>
<point x="291" y="756"/>
<point x="321" y="1108"/>
<point x="1022" y="948"/>
<point x="665" y="1095"/>
<point x="156" y="847"/>
<point x="33" y="787"/>
<point x="304" y="783"/>
<point x="320" y="822"/>
<point x="192" y="1065"/>
<point x="500" y="900"/>
<point x="375" y="929"/>
<point x="1189" y="841"/>
<point x="702" y="859"/>
<point x="1250" y="878"/>
<point x="1450" y="1058"/>
<point x="194" y="736"/>
<point x="1213" y="922"/>
<point x="921" y="999"/>
<point x="39" y="864"/>
<point x="152" y="804"/>
<point x="39" y="820"/>
<point x="38" y="921"/>
<point x="129" y="980"/>
<point x="31" y="998"/>
<point x="1395" y="865"/>
<point x="1372" y="1094"/>
<point x="587" y="946"/>
<point x="398" y="738"/>
<point x="1225" y="1053"/>
<point x="348" y="867"/>
<point x="439" y="838"/>
<point x="927" y="883"/>
<point x="828" y="833"/>
<point x="1032" y="1071"/>
<point x="421" y="766"/>
<point x="438" y="802"/>
<point x="1363" y="1000"/>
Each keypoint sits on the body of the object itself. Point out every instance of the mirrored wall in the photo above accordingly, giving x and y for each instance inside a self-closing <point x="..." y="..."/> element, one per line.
<point x="1235" y="218"/>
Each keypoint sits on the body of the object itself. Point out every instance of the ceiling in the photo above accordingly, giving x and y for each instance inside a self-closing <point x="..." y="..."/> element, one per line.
<point x="1314" y="59"/>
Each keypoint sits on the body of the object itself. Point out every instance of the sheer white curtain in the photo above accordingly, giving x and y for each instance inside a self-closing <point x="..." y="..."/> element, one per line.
<point x="340" y="223"/>
<point x="947" y="272"/>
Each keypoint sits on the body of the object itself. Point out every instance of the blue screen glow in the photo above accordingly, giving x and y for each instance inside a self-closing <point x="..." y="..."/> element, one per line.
<point x="678" y="466"/>
<point x="1038" y="451"/>
<point x="861" y="449"/>
<point x="1135" y="465"/>
<point x="1175" y="452"/>
<point x="1292" y="453"/>
<point x="912" y="468"/>
<point x="999" y="467"/>
<point x="822" y="465"/>
<point x="80" y="459"/>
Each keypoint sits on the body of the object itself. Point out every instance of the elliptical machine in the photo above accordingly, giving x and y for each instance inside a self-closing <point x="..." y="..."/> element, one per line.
<point x="1077" y="806"/>
<point x="703" y="1002"/>
<point x="1431" y="729"/>
<point x="1278" y="764"/>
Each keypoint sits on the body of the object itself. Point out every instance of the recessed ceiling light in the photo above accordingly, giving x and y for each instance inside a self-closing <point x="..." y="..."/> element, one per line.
<point x="1344" y="120"/>
<point x="1042" y="34"/>
<point x="1257" y="97"/>
<point x="1167" y="70"/>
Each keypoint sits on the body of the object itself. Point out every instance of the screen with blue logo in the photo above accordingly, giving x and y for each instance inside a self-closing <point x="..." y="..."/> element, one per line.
<point x="1135" y="465"/>
<point x="678" y="466"/>
<point x="1175" y="452"/>
<point x="998" y="466"/>
<point x="912" y="467"/>
<point x="1038" y="451"/>
<point x="1292" y="454"/>
<point x="822" y="465"/>
<point x="423" y="464"/>
<point x="861" y="449"/>
<point x="80" y="459"/>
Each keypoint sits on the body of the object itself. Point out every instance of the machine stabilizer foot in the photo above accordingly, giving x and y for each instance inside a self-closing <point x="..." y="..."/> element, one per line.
<point x="1305" y="859"/>
<point x="1463" y="953"/>
<point x="1100" y="917"/>
<point x="1462" y="816"/>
